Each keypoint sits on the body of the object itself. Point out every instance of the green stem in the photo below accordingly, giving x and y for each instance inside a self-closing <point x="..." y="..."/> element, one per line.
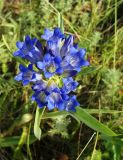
<point x="21" y="141"/>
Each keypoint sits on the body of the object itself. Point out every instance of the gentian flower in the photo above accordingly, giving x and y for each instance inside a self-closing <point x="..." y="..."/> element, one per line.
<point x="50" y="65"/>
<point x="27" y="74"/>
<point x="71" y="104"/>
<point x="53" y="35"/>
<point x="73" y="61"/>
<point x="69" y="85"/>
<point x="65" y="49"/>
<point x="31" y="50"/>
<point x="56" y="63"/>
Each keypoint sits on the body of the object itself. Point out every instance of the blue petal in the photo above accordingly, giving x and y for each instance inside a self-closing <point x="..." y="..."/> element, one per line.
<point x="74" y="61"/>
<point x="18" y="53"/>
<point x="51" y="45"/>
<point x="34" y="40"/>
<point x="40" y="104"/>
<point x="39" y="85"/>
<point x="22" y="68"/>
<point x="48" y="74"/>
<point x="25" y="82"/>
<point x="71" y="104"/>
<point x="75" y="45"/>
<point x="27" y="39"/>
<point x="40" y="65"/>
<point x="30" y="66"/>
<point x="40" y="98"/>
<point x="67" y="80"/>
<point x="39" y="45"/>
<point x="69" y="84"/>
<point x="33" y="97"/>
<point x="50" y="105"/>
<point x="84" y="63"/>
<point x="59" y="70"/>
<point x="19" y="44"/>
<point x="73" y="50"/>
<point x="30" y="54"/>
<point x="47" y="34"/>
<point x="58" y="33"/>
<point x="18" y="77"/>
<point x="55" y="100"/>
<point x="67" y="44"/>
<point x="82" y="52"/>
<point x="61" y="106"/>
<point x="34" y="77"/>
<point x="47" y="57"/>
<point x="58" y="59"/>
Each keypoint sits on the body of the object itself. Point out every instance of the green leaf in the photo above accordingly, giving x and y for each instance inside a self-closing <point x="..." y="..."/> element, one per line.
<point x="117" y="152"/>
<point x="90" y="111"/>
<point x="55" y="114"/>
<point x="60" y="22"/>
<point x="97" y="155"/>
<point x="102" y="111"/>
<point x="84" y="116"/>
<point x="93" y="123"/>
<point x="38" y="117"/>
<point x="10" y="141"/>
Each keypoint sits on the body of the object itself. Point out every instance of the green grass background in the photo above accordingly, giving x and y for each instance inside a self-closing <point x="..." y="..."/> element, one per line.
<point x="98" y="27"/>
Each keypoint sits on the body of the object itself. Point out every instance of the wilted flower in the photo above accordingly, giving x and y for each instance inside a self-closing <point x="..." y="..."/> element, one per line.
<point x="55" y="63"/>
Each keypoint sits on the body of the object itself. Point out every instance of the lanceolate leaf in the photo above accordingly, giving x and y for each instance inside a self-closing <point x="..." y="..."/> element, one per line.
<point x="93" y="123"/>
<point x="37" y="129"/>
<point x="11" y="141"/>
<point x="84" y="116"/>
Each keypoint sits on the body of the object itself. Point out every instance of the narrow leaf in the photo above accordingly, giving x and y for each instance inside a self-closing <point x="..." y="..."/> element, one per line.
<point x="93" y="123"/>
<point x="10" y="141"/>
<point x="38" y="116"/>
<point x="102" y="111"/>
<point x="60" y="22"/>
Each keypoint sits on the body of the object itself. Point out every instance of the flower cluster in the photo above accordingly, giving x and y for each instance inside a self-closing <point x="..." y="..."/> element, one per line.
<point x="51" y="68"/>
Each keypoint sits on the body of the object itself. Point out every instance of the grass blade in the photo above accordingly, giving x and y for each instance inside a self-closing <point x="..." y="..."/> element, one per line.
<point x="93" y="123"/>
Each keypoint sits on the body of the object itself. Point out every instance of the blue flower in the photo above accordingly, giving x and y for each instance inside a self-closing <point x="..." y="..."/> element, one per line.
<point x="53" y="40"/>
<point x="27" y="74"/>
<point x="73" y="61"/>
<point x="72" y="58"/>
<point x="40" y="98"/>
<point x="50" y="65"/>
<point x="40" y="93"/>
<point x="55" y="101"/>
<point x="71" y="104"/>
<point x="54" y="66"/>
<point x="47" y="34"/>
<point x="39" y="85"/>
<point x="31" y="50"/>
<point x="52" y="96"/>
<point x="47" y="94"/>
<point x="53" y="35"/>
<point x="65" y="49"/>
<point x="69" y="85"/>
